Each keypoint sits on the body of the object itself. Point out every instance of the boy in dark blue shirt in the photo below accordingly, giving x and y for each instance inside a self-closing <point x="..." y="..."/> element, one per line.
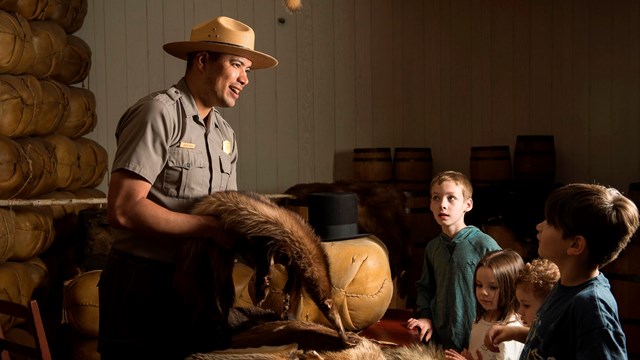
<point x="586" y="226"/>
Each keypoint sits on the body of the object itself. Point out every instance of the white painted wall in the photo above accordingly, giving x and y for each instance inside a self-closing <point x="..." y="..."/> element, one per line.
<point x="445" y="74"/>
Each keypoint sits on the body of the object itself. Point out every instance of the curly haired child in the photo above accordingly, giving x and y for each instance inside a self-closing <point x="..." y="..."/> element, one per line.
<point x="533" y="284"/>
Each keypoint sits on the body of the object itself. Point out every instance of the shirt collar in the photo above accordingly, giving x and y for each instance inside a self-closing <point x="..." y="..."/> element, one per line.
<point x="190" y="105"/>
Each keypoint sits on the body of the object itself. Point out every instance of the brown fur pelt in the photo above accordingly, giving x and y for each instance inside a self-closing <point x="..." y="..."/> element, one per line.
<point x="308" y="335"/>
<point x="269" y="232"/>
<point x="381" y="212"/>
<point x="285" y="340"/>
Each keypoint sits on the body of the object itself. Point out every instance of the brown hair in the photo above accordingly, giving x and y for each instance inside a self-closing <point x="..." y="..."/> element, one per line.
<point x="603" y="216"/>
<point x="505" y="264"/>
<point x="457" y="177"/>
<point x="538" y="276"/>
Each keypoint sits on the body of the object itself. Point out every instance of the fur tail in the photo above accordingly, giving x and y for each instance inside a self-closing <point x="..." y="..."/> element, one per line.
<point x="255" y="216"/>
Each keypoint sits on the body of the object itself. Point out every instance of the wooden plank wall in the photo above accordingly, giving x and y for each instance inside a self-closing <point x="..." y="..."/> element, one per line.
<point x="444" y="74"/>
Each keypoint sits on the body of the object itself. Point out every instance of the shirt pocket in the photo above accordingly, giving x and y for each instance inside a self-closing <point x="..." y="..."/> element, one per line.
<point x="185" y="174"/>
<point x="225" y="171"/>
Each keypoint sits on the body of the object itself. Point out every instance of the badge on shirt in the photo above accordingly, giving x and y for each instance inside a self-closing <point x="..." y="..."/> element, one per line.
<point x="226" y="147"/>
<point x="187" y="145"/>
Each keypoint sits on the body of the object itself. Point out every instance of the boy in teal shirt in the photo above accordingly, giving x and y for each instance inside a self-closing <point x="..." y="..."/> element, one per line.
<point x="446" y="304"/>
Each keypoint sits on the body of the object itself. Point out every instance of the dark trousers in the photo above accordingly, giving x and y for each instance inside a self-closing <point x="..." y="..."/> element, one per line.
<point x="142" y="316"/>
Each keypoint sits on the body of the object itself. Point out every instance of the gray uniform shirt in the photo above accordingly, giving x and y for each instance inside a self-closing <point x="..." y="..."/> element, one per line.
<point x="163" y="139"/>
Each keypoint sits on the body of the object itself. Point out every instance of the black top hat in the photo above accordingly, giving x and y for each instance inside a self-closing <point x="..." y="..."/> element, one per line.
<point x="334" y="215"/>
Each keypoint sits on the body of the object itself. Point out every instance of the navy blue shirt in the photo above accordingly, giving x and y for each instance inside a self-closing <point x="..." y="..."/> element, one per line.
<point x="577" y="322"/>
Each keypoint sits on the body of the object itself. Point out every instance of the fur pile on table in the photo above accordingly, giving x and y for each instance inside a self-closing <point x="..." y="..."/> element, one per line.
<point x="296" y="339"/>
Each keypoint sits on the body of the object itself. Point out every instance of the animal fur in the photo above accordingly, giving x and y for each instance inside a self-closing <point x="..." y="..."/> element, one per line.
<point x="270" y="232"/>
<point x="381" y="212"/>
<point x="286" y="340"/>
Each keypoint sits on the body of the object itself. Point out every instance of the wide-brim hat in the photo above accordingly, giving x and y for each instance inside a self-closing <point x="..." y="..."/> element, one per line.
<point x="223" y="35"/>
<point x="334" y="215"/>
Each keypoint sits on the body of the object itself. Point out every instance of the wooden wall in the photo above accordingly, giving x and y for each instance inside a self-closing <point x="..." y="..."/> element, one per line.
<point x="444" y="74"/>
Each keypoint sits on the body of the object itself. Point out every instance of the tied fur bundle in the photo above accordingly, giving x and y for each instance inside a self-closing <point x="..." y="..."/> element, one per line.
<point x="269" y="233"/>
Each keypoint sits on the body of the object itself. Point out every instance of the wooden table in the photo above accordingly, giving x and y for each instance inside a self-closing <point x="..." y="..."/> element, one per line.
<point x="392" y="328"/>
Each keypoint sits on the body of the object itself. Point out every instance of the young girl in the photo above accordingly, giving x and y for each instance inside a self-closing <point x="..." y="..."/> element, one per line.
<point x="534" y="283"/>
<point x="496" y="303"/>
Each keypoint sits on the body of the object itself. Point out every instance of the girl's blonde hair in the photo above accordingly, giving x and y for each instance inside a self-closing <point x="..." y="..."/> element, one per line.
<point x="506" y="265"/>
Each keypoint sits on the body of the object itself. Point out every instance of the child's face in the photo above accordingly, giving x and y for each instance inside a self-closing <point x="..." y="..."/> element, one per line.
<point x="487" y="288"/>
<point x="529" y="304"/>
<point x="449" y="206"/>
<point x="551" y="245"/>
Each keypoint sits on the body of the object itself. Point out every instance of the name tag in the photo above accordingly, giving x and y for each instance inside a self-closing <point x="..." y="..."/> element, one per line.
<point x="226" y="147"/>
<point x="187" y="145"/>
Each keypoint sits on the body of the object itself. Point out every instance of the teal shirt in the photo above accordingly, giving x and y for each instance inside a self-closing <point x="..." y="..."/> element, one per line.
<point x="446" y="293"/>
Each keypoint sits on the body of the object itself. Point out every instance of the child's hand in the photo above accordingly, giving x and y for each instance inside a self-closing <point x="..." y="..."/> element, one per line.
<point x="494" y="336"/>
<point x="467" y="354"/>
<point x="464" y="355"/>
<point x="425" y="326"/>
<point x="500" y="333"/>
<point x="450" y="354"/>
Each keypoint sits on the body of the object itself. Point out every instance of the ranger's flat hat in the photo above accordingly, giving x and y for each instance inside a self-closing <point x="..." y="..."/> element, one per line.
<point x="223" y="35"/>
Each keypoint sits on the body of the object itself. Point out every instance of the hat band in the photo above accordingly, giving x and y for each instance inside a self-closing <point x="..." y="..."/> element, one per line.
<point x="228" y="44"/>
<point x="337" y="231"/>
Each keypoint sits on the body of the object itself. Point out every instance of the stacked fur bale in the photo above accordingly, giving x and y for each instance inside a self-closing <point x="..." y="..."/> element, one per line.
<point x="44" y="153"/>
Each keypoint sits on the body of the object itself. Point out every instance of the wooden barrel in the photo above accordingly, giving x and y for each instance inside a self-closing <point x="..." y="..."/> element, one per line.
<point x="534" y="158"/>
<point x="506" y="237"/>
<point x="624" y="276"/>
<point x="372" y="164"/>
<point x="419" y="217"/>
<point x="412" y="168"/>
<point x="490" y="165"/>
<point x="423" y="227"/>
